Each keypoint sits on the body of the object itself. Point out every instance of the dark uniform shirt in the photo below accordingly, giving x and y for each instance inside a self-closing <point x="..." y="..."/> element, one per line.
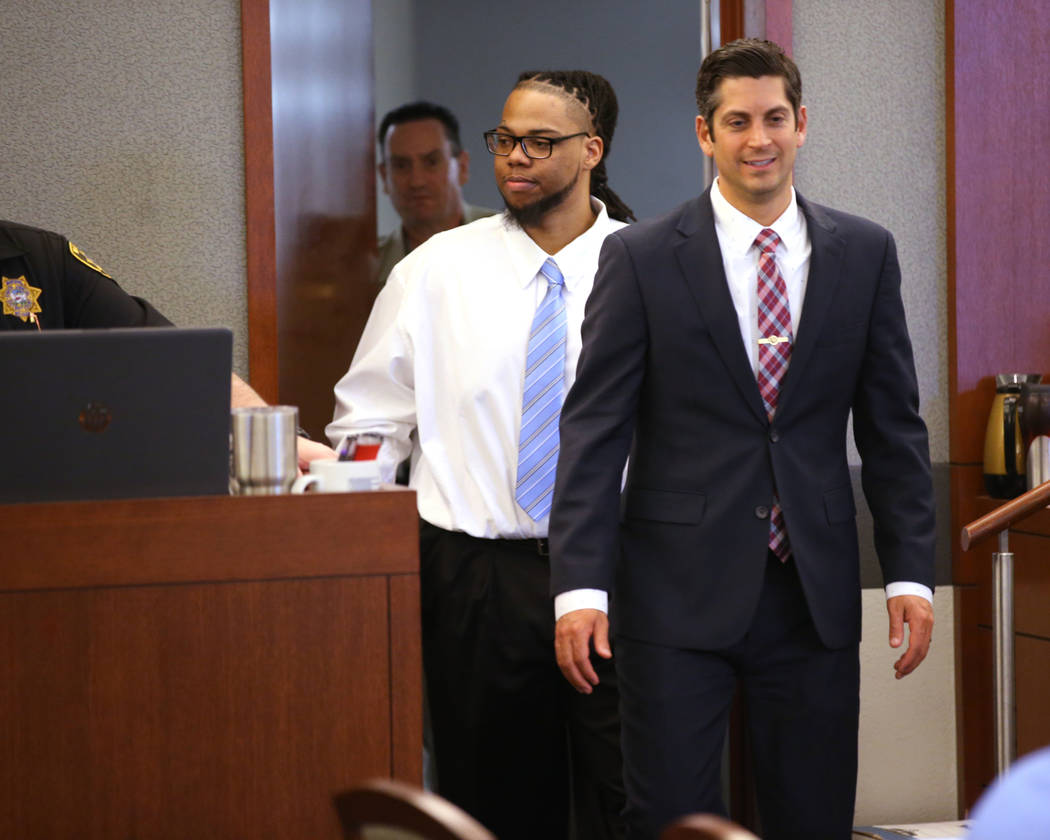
<point x="73" y="292"/>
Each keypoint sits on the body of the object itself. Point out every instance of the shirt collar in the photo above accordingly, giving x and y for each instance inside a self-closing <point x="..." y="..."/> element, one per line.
<point x="738" y="230"/>
<point x="575" y="260"/>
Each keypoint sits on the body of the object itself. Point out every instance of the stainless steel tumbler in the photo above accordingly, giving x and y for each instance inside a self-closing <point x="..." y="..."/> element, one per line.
<point x="264" y="460"/>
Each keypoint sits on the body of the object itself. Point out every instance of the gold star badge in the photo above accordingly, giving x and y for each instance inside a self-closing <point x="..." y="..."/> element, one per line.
<point x="84" y="258"/>
<point x="19" y="298"/>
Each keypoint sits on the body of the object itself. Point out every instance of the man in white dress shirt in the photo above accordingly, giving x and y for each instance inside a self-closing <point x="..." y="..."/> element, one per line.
<point x="444" y="356"/>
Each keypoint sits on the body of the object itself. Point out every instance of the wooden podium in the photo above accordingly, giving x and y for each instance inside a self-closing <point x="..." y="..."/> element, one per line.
<point x="205" y="667"/>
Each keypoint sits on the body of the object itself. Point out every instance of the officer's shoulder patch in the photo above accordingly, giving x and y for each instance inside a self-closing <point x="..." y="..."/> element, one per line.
<point x="84" y="258"/>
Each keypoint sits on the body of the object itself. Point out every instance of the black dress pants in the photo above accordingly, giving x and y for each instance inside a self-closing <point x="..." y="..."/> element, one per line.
<point x="802" y="703"/>
<point x="515" y="745"/>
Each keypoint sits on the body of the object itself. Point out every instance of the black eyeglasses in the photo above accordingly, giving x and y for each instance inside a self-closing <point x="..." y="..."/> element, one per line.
<point x="534" y="147"/>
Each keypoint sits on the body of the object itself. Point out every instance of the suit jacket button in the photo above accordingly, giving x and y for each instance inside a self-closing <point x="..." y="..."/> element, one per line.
<point x="762" y="512"/>
<point x="774" y="435"/>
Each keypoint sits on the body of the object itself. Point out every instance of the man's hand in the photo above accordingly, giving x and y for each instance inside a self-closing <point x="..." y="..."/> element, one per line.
<point x="572" y="644"/>
<point x="310" y="450"/>
<point x="242" y="395"/>
<point x="917" y="613"/>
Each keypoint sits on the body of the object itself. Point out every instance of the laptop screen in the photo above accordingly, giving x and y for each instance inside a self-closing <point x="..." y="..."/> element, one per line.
<point x="117" y="413"/>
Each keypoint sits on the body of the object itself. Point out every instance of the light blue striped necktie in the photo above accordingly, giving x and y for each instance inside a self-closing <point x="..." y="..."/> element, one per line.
<point x="542" y="398"/>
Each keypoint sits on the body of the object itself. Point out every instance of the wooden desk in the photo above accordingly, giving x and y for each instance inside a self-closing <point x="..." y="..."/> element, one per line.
<point x="205" y="667"/>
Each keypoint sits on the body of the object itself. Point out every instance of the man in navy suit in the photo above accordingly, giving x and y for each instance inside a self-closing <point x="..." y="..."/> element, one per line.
<point x="725" y="346"/>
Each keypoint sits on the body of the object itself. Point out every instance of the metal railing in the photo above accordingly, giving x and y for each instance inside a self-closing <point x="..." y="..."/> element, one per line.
<point x="1000" y="520"/>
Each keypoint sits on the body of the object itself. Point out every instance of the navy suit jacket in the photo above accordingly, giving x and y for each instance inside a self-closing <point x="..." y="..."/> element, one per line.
<point x="664" y="376"/>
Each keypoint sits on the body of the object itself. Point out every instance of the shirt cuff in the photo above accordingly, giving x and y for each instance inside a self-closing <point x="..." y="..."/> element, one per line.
<point x="907" y="587"/>
<point x="387" y="459"/>
<point x="580" y="599"/>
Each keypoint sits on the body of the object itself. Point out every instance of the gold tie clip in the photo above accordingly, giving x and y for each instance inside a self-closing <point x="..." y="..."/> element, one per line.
<point x="774" y="340"/>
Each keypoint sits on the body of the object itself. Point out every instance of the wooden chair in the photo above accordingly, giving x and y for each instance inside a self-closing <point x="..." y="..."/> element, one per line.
<point x="705" y="827"/>
<point x="396" y="805"/>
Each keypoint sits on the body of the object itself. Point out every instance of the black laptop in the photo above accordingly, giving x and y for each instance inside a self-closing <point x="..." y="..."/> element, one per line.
<point x="119" y="413"/>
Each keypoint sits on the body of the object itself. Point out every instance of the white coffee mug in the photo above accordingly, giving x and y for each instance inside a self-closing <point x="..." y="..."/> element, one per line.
<point x="328" y="476"/>
<point x="1037" y="470"/>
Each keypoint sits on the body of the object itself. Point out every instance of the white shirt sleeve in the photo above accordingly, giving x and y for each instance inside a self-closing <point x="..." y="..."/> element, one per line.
<point x="906" y="587"/>
<point x="377" y="395"/>
<point x="580" y="599"/>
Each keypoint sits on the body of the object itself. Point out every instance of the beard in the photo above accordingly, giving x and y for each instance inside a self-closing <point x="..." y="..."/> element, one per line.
<point x="532" y="214"/>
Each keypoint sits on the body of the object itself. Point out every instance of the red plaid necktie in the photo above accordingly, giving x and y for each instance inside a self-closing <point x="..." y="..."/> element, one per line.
<point x="774" y="354"/>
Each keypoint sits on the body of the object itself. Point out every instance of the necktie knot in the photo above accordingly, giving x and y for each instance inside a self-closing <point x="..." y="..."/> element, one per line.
<point x="552" y="273"/>
<point x="767" y="240"/>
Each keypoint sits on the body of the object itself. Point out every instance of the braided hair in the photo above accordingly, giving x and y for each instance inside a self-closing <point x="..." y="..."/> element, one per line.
<point x="597" y="96"/>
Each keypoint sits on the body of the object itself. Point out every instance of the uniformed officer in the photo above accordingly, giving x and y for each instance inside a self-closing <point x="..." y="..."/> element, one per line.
<point x="47" y="282"/>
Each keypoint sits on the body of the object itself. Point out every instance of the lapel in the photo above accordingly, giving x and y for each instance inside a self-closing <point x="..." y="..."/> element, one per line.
<point x="825" y="272"/>
<point x="700" y="261"/>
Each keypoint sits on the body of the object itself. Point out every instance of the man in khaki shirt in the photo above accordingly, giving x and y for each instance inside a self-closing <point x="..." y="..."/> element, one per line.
<point x="422" y="167"/>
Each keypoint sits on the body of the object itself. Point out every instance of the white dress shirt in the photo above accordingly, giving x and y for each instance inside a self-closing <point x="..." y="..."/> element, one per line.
<point x="736" y="234"/>
<point x="736" y="239"/>
<point x="443" y="355"/>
